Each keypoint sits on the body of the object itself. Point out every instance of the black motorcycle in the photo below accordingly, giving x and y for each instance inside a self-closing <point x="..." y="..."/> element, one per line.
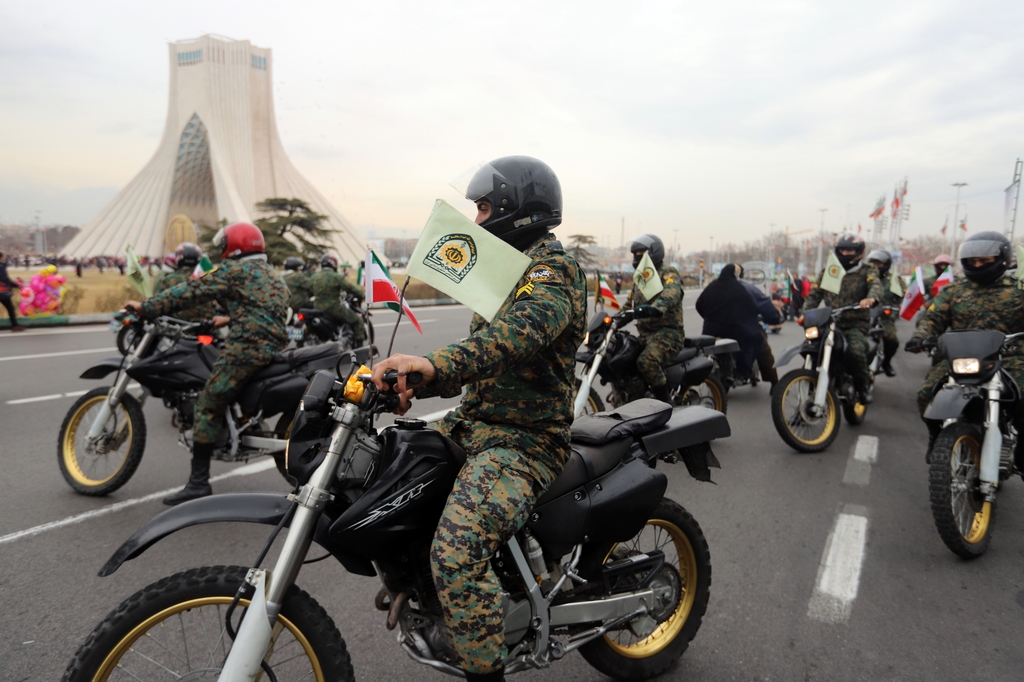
<point x="311" y="326"/>
<point x="610" y="353"/>
<point x="605" y="564"/>
<point x="806" y="401"/>
<point x="975" y="450"/>
<point x="103" y="436"/>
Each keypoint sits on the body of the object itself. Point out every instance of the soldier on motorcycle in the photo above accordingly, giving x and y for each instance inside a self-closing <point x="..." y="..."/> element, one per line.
<point x="524" y="357"/>
<point x="986" y="298"/>
<point x="329" y="286"/>
<point x="861" y="286"/>
<point x="882" y="260"/>
<point x="186" y="258"/>
<point x="662" y="336"/>
<point x="941" y="262"/>
<point x="297" y="279"/>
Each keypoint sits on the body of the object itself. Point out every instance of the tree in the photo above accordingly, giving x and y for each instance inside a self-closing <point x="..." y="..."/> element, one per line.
<point x="291" y="228"/>
<point x="578" y="244"/>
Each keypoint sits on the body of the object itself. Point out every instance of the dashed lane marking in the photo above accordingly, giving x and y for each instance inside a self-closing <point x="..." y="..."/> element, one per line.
<point x="245" y="470"/>
<point x="858" y="466"/>
<point x="839" y="571"/>
<point x="53" y="332"/>
<point x="56" y="355"/>
<point x="55" y="396"/>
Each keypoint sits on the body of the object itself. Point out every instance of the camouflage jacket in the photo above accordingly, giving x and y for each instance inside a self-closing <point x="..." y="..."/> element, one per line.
<point x="196" y="313"/>
<point x="519" y="368"/>
<point x="963" y="304"/>
<point x="299" y="289"/>
<point x="328" y="287"/>
<point x="858" y="283"/>
<point x="889" y="298"/>
<point x="252" y="292"/>
<point x="669" y="302"/>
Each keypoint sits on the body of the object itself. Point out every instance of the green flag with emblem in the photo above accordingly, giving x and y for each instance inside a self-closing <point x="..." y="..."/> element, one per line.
<point x="895" y="285"/>
<point x="136" y="274"/>
<point x="465" y="261"/>
<point x="646" y="279"/>
<point x="832" y="278"/>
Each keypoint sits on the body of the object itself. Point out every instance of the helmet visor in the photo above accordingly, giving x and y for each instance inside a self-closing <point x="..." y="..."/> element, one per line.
<point x="478" y="181"/>
<point x="218" y="239"/>
<point x="980" y="248"/>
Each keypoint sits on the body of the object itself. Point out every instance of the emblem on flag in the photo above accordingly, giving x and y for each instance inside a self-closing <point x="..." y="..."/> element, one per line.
<point x="454" y="255"/>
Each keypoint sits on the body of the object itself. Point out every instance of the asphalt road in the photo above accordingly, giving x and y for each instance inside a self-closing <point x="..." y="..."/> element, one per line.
<point x="917" y="612"/>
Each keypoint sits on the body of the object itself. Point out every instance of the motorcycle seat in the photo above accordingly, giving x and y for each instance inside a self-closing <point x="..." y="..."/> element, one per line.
<point x="632" y="419"/>
<point x="586" y="463"/>
<point x="702" y="341"/>
<point x="684" y="355"/>
<point x="290" y="360"/>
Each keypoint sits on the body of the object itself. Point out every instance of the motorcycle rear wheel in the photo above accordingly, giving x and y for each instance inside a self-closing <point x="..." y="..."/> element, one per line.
<point x="623" y="655"/>
<point x="962" y="516"/>
<point x="175" y="627"/>
<point x="791" y="399"/>
<point x="100" y="474"/>
<point x="709" y="393"/>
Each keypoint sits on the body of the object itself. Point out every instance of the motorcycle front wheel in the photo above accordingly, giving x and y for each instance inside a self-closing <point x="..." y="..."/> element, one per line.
<point x="794" y="416"/>
<point x="644" y="647"/>
<point x="709" y="393"/>
<point x="594" y="403"/>
<point x="108" y="464"/>
<point x="962" y="516"/>
<point x="174" y="629"/>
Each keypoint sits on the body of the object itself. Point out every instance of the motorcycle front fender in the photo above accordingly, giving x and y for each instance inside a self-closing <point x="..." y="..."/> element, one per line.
<point x="263" y="508"/>
<point x="950" y="402"/>
<point x="788" y="355"/>
<point x="103" y="368"/>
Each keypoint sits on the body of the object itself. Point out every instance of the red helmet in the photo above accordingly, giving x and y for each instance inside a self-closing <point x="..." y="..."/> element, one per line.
<point x="240" y="239"/>
<point x="942" y="259"/>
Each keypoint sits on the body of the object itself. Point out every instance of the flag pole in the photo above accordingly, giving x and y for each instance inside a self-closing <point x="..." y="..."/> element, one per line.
<point x="401" y="311"/>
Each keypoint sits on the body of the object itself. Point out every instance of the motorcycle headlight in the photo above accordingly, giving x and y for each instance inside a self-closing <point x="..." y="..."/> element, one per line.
<point x="966" y="366"/>
<point x="811" y="333"/>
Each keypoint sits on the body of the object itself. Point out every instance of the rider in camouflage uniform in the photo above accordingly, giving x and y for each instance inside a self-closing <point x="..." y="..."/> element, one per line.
<point x="882" y="260"/>
<point x="514" y="420"/>
<point x="941" y="263"/>
<point x="986" y="298"/>
<point x="186" y="258"/>
<point x="662" y="336"/>
<point x="256" y="300"/>
<point x="860" y="285"/>
<point x="297" y="279"/>
<point x="328" y="287"/>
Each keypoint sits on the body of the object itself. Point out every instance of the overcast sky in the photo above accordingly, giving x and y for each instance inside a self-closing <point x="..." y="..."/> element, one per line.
<point x="691" y="119"/>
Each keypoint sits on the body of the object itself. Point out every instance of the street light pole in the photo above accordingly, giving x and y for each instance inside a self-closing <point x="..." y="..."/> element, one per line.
<point x="821" y="239"/>
<point x="956" y="216"/>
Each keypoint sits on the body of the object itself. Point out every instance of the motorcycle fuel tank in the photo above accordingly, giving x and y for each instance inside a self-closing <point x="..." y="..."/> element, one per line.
<point x="178" y="368"/>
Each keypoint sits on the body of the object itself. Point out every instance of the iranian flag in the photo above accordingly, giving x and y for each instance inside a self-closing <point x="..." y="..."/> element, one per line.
<point x="944" y="279"/>
<point x="380" y="288"/>
<point x="202" y="267"/>
<point x="914" y="298"/>
<point x="604" y="293"/>
<point x="879" y="208"/>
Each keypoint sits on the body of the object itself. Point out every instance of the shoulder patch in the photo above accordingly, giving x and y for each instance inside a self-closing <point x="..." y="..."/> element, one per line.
<point x="540" y="273"/>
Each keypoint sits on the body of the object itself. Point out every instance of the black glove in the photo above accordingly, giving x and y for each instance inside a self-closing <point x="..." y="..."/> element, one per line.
<point x="914" y="345"/>
<point x="645" y="311"/>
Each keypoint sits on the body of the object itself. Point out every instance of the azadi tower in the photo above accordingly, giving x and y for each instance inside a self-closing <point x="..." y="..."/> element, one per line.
<point x="219" y="156"/>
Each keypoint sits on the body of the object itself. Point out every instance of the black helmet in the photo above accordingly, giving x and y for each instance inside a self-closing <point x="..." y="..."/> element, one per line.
<point x="292" y="263"/>
<point x="881" y="256"/>
<point x="187" y="254"/>
<point x="983" y="245"/>
<point x="329" y="261"/>
<point x="525" y="197"/>
<point x="849" y="242"/>
<point x="650" y="243"/>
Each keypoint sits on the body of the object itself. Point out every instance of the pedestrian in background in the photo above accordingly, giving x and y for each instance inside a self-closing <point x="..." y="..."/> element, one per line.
<point x="7" y="286"/>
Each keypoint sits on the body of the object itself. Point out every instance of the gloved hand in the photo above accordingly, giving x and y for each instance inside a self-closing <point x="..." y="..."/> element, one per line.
<point x="914" y="345"/>
<point x="644" y="311"/>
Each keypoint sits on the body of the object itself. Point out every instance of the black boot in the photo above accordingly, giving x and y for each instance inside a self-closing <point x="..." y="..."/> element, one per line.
<point x="887" y="368"/>
<point x="662" y="393"/>
<point x="496" y="676"/>
<point x="199" y="480"/>
<point x="863" y="390"/>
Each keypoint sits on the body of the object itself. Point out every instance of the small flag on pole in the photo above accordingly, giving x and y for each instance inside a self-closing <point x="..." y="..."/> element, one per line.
<point x="382" y="289"/>
<point x="202" y="267"/>
<point x="879" y="208"/>
<point x="646" y="279"/>
<point x="895" y="286"/>
<point x="963" y="224"/>
<point x="945" y="226"/>
<point x="136" y="274"/>
<point x="832" y="279"/>
<point x="945" y="278"/>
<point x="604" y="293"/>
<point x="914" y="298"/>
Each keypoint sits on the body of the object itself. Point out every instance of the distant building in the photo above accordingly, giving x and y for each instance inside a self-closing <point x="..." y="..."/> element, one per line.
<point x="220" y="155"/>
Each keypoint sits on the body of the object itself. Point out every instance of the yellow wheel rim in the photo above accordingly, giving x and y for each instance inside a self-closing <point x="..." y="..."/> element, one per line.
<point x="113" y="659"/>
<point x="716" y="395"/>
<point x="976" y="526"/>
<point x="979" y="527"/>
<point x="829" y="419"/>
<point x="69" y="451"/>
<point x="665" y="633"/>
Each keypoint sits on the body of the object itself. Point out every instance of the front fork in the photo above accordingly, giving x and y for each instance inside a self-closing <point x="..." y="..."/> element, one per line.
<point x="821" y="388"/>
<point x="588" y="379"/>
<point x="993" y="444"/>
<point x="117" y="390"/>
<point x="256" y="629"/>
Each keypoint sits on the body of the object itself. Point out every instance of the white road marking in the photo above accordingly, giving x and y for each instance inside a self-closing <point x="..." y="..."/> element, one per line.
<point x="55" y="396"/>
<point x="57" y="330"/>
<point x="858" y="466"/>
<point x="246" y="470"/>
<point x="839" y="572"/>
<point x="55" y="355"/>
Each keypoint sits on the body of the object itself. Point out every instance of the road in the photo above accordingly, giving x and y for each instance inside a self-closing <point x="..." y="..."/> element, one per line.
<point x="909" y="609"/>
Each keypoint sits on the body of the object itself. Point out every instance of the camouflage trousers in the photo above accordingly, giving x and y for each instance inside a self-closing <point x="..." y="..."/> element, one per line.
<point x="352" y="319"/>
<point x="492" y="498"/>
<point x="766" y="361"/>
<point x="1014" y="366"/>
<point x="890" y="342"/>
<point x="660" y="348"/>
<point x="857" y="354"/>
<point x="236" y="364"/>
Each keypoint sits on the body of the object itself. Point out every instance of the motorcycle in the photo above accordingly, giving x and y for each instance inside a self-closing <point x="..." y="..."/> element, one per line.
<point x="312" y="326"/>
<point x="876" y="348"/>
<point x="974" y="451"/>
<point x="806" y="402"/>
<point x="605" y="563"/>
<point x="103" y="436"/>
<point x="611" y="353"/>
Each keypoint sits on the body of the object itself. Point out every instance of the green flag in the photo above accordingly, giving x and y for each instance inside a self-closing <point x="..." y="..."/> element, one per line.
<point x="894" y="284"/>
<point x="465" y="261"/>
<point x="832" y="278"/>
<point x="646" y="279"/>
<point x="202" y="267"/>
<point x="136" y="274"/>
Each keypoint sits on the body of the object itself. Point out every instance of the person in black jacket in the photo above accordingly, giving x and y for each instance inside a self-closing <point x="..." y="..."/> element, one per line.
<point x="730" y="312"/>
<point x="770" y="315"/>
<point x="7" y="285"/>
